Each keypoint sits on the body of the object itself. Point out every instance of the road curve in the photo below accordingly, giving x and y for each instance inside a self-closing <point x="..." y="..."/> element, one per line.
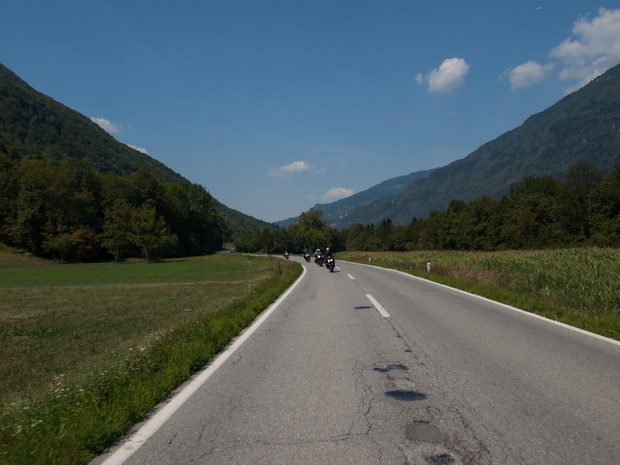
<point x="368" y="366"/>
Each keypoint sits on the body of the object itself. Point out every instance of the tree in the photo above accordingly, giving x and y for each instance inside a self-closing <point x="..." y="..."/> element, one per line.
<point x="26" y="226"/>
<point x="59" y="246"/>
<point x="9" y="189"/>
<point x="148" y="188"/>
<point x="530" y="221"/>
<point x="86" y="244"/>
<point x="484" y="222"/>
<point x="53" y="200"/>
<point x="150" y="231"/>
<point x="575" y="200"/>
<point x="190" y="212"/>
<point x="249" y="241"/>
<point x="428" y="238"/>
<point x="384" y="235"/>
<point x="412" y="234"/>
<point x="115" y="188"/>
<point x="313" y="230"/>
<point x="354" y="231"/>
<point x="452" y="230"/>
<point x="605" y="211"/>
<point x="117" y="228"/>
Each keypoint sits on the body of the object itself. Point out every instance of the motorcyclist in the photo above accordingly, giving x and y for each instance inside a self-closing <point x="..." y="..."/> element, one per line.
<point x="318" y="257"/>
<point x="329" y="255"/>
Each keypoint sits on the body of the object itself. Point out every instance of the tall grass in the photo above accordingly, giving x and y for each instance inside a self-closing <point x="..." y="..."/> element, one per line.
<point x="160" y="331"/>
<point x="578" y="286"/>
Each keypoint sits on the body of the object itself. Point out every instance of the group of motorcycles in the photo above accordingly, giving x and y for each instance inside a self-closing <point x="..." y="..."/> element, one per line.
<point x="320" y="260"/>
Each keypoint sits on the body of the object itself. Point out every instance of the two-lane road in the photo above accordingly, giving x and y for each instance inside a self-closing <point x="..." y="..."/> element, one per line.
<point x="366" y="365"/>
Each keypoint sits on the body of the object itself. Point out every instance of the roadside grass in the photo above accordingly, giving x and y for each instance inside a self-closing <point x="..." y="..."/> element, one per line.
<point x="89" y="350"/>
<point x="578" y="286"/>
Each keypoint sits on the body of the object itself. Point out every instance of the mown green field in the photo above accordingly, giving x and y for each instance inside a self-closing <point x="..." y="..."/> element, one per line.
<point x="86" y="350"/>
<point x="580" y="287"/>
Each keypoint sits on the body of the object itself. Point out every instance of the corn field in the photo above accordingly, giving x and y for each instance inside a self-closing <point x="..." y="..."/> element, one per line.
<point x="582" y="281"/>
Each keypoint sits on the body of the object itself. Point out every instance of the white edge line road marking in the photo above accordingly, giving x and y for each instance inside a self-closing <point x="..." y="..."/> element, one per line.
<point x="350" y="277"/>
<point x="378" y="306"/>
<point x="510" y="307"/>
<point x="149" y="428"/>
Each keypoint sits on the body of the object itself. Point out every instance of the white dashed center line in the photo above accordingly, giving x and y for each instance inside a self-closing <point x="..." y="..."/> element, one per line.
<point x="378" y="306"/>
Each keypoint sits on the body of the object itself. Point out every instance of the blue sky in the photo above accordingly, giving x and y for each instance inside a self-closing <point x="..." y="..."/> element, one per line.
<point x="274" y="106"/>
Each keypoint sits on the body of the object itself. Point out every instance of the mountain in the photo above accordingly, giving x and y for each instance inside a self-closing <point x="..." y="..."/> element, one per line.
<point x="336" y="213"/>
<point x="33" y="125"/>
<point x="583" y="126"/>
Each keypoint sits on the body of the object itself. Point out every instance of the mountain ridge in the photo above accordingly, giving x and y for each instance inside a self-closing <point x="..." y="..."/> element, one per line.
<point x="33" y="124"/>
<point x="582" y="126"/>
<point x="336" y="211"/>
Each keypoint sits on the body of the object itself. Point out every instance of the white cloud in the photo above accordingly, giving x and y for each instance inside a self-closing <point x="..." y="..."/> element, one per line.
<point x="450" y="75"/>
<point x="337" y="193"/>
<point x="527" y="74"/>
<point x="595" y="49"/>
<point x="291" y="168"/>
<point x="139" y="149"/>
<point x="108" y="126"/>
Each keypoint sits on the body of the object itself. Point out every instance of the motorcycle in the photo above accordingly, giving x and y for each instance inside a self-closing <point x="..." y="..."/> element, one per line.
<point x="319" y="260"/>
<point x="330" y="264"/>
<point x="307" y="257"/>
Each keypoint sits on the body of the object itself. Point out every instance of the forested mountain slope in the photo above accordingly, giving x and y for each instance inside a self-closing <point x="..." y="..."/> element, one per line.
<point x="583" y="126"/>
<point x="33" y="125"/>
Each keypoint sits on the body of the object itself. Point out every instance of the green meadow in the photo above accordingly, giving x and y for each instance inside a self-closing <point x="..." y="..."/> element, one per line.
<point x="579" y="287"/>
<point x="86" y="350"/>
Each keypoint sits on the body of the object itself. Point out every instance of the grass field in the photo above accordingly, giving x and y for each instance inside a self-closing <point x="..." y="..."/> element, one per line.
<point x="88" y="349"/>
<point x="580" y="287"/>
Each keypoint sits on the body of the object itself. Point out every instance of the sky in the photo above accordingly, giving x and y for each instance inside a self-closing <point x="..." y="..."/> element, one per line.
<point x="274" y="106"/>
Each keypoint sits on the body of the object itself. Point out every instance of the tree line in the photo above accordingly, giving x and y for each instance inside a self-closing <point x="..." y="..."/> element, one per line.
<point x="67" y="211"/>
<point x="538" y="212"/>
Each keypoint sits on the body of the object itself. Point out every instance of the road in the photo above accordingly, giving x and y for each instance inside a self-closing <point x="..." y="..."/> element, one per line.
<point x="370" y="366"/>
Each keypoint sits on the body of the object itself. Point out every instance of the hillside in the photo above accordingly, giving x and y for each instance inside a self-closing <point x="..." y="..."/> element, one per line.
<point x="33" y="125"/>
<point x="583" y="126"/>
<point x="237" y="222"/>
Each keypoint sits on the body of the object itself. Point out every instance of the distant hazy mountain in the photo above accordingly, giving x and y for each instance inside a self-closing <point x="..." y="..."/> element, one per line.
<point x="583" y="126"/>
<point x="336" y="213"/>
<point x="33" y="125"/>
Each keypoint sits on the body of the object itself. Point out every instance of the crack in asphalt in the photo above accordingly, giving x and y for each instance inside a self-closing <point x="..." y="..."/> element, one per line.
<point x="366" y="399"/>
<point x="459" y="444"/>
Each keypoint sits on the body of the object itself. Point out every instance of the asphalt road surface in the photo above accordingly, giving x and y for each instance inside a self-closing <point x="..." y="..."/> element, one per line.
<point x="370" y="366"/>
